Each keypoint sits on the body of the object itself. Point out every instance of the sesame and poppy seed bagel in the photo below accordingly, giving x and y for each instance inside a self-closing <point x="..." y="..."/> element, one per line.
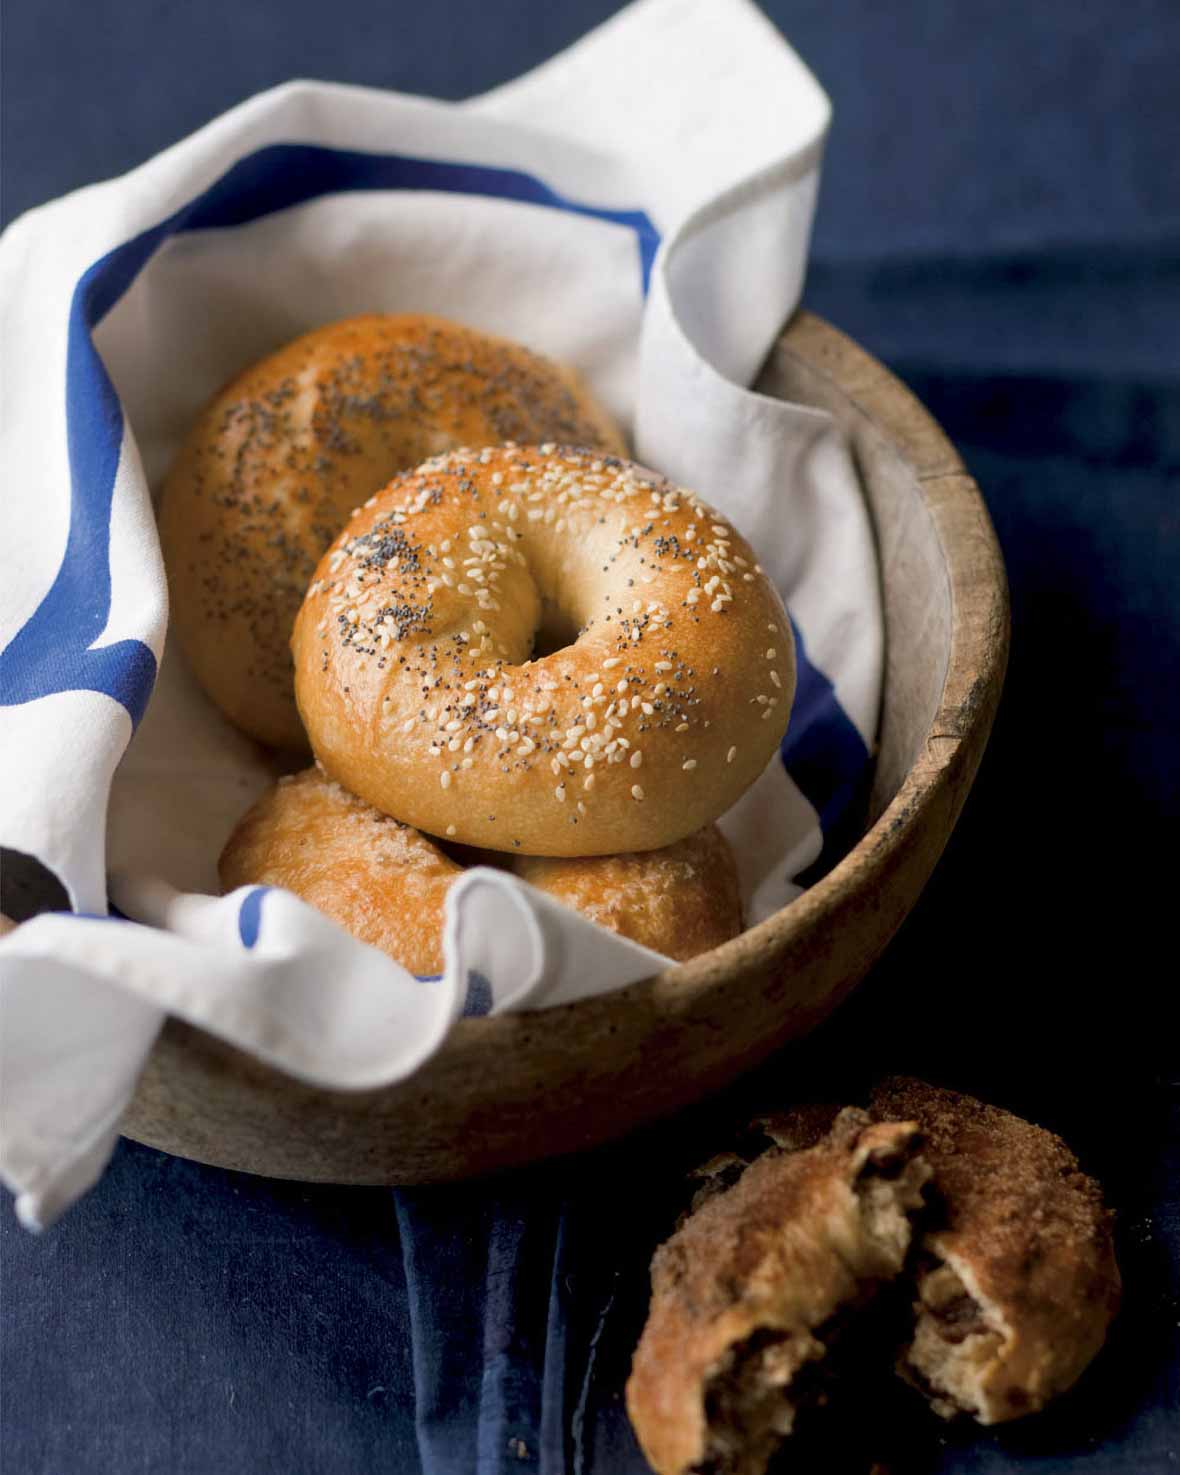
<point x="286" y="450"/>
<point x="386" y="883"/>
<point x="422" y="681"/>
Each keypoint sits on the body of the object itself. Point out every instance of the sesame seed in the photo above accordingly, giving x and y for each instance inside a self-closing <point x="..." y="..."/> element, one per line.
<point x="774" y="678"/>
<point x="444" y="779"/>
<point x="731" y="755"/>
<point x="636" y="792"/>
<point x="559" y="793"/>
<point x="610" y="663"/>
<point x="450" y="829"/>
<point x="771" y="653"/>
<point x="689" y="764"/>
<point x="636" y="759"/>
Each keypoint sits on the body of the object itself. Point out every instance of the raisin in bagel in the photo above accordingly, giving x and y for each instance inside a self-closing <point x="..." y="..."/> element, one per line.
<point x="286" y="450"/>
<point x="665" y="694"/>
<point x="386" y="883"/>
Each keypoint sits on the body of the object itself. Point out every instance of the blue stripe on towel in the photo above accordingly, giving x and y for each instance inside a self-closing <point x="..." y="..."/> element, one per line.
<point x="250" y="915"/>
<point x="827" y="758"/>
<point x="479" y="999"/>
<point x="53" y="652"/>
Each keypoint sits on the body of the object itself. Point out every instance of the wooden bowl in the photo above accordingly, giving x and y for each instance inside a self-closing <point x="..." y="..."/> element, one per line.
<point x="506" y="1090"/>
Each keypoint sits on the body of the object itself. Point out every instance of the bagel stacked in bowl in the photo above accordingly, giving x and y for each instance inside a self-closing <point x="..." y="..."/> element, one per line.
<point x="517" y="647"/>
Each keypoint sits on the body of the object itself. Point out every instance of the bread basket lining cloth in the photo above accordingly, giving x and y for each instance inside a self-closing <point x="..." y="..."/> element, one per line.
<point x="656" y="246"/>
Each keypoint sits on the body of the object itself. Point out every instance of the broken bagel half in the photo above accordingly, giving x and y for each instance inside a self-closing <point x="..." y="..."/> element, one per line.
<point x="934" y="1233"/>
<point x="756" y="1294"/>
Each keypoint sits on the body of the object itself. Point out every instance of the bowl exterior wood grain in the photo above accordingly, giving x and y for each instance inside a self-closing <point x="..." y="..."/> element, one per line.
<point x="509" y="1090"/>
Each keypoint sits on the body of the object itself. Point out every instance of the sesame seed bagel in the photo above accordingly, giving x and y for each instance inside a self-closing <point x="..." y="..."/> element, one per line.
<point x="665" y="693"/>
<point x="285" y="451"/>
<point x="386" y="883"/>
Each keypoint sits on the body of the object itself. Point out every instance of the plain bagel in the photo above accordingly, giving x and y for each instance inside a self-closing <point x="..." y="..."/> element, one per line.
<point x="286" y="450"/>
<point x="386" y="884"/>
<point x="420" y="669"/>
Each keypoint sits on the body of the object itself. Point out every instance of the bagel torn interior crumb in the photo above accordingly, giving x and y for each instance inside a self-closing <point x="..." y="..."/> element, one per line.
<point x="767" y="1292"/>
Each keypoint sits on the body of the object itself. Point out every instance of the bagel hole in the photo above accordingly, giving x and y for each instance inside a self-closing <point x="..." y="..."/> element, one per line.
<point x="557" y="631"/>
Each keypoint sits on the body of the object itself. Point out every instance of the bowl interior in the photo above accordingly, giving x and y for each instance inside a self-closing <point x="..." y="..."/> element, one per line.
<point x="509" y="1089"/>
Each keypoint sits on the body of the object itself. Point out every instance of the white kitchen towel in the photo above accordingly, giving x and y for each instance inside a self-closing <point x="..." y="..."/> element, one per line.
<point x="638" y="207"/>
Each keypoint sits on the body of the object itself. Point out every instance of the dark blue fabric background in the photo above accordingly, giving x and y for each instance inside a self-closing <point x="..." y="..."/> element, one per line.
<point x="1000" y="222"/>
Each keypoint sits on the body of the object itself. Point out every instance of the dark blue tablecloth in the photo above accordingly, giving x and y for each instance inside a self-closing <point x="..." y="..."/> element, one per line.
<point x="1001" y="223"/>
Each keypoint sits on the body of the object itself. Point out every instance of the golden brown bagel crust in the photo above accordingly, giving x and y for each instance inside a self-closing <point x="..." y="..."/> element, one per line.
<point x="286" y="450"/>
<point x="681" y="900"/>
<point x="665" y="700"/>
<point x="380" y="880"/>
<point x="386" y="883"/>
